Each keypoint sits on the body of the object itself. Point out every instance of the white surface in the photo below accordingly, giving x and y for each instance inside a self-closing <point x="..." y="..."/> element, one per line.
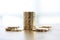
<point x="54" y="34"/>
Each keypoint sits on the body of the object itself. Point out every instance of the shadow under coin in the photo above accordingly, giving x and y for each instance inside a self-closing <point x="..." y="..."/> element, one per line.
<point x="29" y="35"/>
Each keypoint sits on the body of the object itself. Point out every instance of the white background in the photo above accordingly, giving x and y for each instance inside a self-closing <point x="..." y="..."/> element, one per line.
<point x="47" y="12"/>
